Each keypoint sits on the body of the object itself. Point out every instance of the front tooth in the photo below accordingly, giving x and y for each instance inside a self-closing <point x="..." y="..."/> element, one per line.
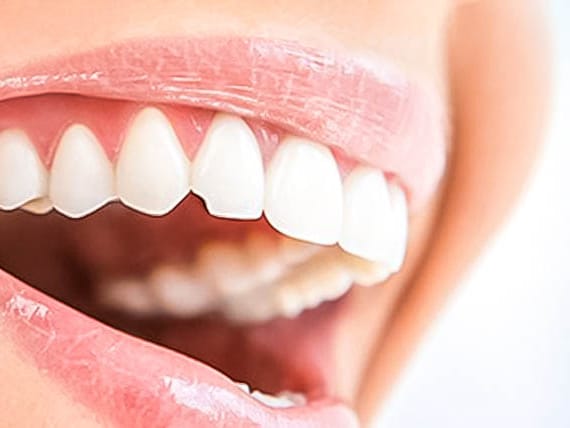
<point x="399" y="233"/>
<point x="82" y="178"/>
<point x="23" y="177"/>
<point x="153" y="173"/>
<point x="303" y="198"/>
<point x="367" y="214"/>
<point x="228" y="170"/>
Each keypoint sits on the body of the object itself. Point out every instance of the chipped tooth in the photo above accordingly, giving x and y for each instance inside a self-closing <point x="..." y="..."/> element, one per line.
<point x="181" y="292"/>
<point x="303" y="197"/>
<point x="82" y="178"/>
<point x="153" y="172"/>
<point x="228" y="170"/>
<point x="282" y="401"/>
<point x="132" y="296"/>
<point x="399" y="233"/>
<point x="23" y="177"/>
<point x="367" y="214"/>
<point x="38" y="206"/>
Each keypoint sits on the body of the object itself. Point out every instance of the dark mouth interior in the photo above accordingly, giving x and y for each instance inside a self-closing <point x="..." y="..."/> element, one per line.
<point x="66" y="258"/>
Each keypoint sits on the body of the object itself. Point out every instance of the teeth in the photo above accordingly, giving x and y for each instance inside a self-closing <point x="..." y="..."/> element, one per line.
<point x="38" y="206"/>
<point x="81" y="174"/>
<point x="22" y="174"/>
<point x="282" y="401"/>
<point x="303" y="198"/>
<point x="228" y="170"/>
<point x="182" y="293"/>
<point x="153" y="173"/>
<point x="399" y="233"/>
<point x="367" y="214"/>
<point x="130" y="295"/>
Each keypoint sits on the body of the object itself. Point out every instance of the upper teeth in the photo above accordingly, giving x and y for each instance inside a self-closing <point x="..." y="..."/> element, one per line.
<point x="301" y="192"/>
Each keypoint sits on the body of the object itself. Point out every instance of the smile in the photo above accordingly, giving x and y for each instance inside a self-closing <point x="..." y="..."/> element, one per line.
<point x="185" y="222"/>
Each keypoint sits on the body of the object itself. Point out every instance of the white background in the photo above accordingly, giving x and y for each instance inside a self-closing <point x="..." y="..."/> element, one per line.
<point x="499" y="355"/>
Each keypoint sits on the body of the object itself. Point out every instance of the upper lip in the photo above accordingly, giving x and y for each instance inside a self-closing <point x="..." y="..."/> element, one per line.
<point x="371" y="113"/>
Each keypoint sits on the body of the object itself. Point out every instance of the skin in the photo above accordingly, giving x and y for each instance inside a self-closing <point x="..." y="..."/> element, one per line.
<point x="496" y="85"/>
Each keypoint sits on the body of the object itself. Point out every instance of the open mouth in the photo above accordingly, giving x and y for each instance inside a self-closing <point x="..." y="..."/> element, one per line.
<point x="225" y="214"/>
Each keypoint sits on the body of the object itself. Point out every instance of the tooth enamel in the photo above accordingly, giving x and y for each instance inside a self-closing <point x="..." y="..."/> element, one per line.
<point x="82" y="178"/>
<point x="399" y="233"/>
<point x="367" y="214"/>
<point x="364" y="272"/>
<point x="281" y="401"/>
<point x="228" y="170"/>
<point x="303" y="197"/>
<point x="23" y="177"/>
<point x="182" y="292"/>
<point x="129" y="295"/>
<point x="153" y="173"/>
<point x="38" y="206"/>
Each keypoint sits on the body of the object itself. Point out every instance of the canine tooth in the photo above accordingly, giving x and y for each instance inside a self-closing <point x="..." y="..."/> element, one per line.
<point x="228" y="170"/>
<point x="130" y="295"/>
<point x="23" y="177"/>
<point x="399" y="227"/>
<point x="153" y="172"/>
<point x="81" y="174"/>
<point x="303" y="197"/>
<point x="367" y="214"/>
<point x="181" y="292"/>
<point x="38" y="206"/>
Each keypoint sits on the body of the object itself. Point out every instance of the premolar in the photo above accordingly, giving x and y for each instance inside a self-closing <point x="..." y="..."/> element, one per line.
<point x="153" y="172"/>
<point x="228" y="170"/>
<point x="82" y="178"/>
<point x="23" y="177"/>
<point x="303" y="198"/>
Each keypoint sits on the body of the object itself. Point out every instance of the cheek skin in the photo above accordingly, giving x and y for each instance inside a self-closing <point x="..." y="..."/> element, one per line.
<point x="500" y="92"/>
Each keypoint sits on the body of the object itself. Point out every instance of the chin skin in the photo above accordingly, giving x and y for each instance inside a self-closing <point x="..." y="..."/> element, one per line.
<point x="496" y="81"/>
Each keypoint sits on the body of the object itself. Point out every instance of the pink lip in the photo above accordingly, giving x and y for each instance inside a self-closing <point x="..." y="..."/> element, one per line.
<point x="129" y="382"/>
<point x="371" y="113"/>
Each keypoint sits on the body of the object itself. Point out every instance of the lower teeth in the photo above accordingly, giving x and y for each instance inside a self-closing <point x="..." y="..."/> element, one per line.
<point x="253" y="281"/>
<point x="282" y="400"/>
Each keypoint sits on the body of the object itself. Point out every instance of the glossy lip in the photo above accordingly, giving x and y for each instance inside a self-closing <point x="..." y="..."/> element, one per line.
<point x="151" y="387"/>
<point x="370" y="112"/>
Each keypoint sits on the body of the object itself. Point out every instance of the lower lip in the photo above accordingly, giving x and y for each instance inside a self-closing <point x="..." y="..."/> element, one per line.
<point x="124" y="379"/>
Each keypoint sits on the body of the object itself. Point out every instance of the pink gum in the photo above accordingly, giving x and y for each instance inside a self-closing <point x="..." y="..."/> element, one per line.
<point x="45" y="118"/>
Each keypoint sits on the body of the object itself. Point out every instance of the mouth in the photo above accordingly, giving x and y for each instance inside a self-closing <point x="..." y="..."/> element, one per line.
<point x="188" y="220"/>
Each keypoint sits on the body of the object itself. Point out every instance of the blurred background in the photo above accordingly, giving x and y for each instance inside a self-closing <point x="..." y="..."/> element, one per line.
<point x="499" y="354"/>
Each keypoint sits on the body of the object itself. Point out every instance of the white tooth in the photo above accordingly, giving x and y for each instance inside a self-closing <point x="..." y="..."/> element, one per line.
<point x="228" y="170"/>
<point x="399" y="233"/>
<point x="153" y="173"/>
<point x="281" y="401"/>
<point x="38" y="206"/>
<point x="23" y="177"/>
<point x="82" y="178"/>
<point x="181" y="292"/>
<point x="367" y="215"/>
<point x="130" y="295"/>
<point x="365" y="272"/>
<point x="303" y="197"/>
